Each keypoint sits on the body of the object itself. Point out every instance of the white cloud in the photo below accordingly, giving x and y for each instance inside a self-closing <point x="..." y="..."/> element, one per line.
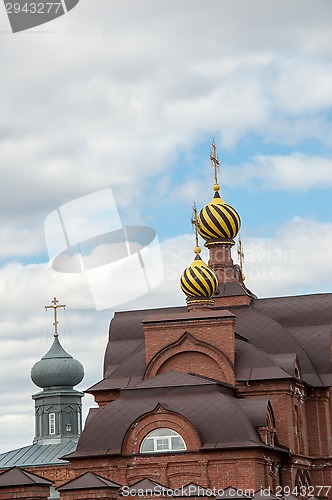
<point x="297" y="172"/>
<point x="21" y="241"/>
<point x="114" y="93"/>
<point x="289" y="263"/>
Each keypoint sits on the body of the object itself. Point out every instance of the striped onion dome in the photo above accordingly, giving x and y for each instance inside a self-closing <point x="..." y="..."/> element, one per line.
<point x="198" y="279"/>
<point x="218" y="220"/>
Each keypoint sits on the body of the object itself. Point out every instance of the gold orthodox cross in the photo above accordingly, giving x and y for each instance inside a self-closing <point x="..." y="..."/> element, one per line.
<point x="214" y="160"/>
<point x="241" y="256"/>
<point x="194" y="222"/>
<point x="55" y="306"/>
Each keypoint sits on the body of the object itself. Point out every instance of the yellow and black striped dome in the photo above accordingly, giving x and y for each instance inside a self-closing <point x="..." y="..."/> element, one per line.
<point x="218" y="220"/>
<point x="198" y="279"/>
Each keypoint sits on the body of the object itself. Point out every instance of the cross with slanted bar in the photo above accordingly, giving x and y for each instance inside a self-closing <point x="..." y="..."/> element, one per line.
<point x="194" y="222"/>
<point x="241" y="256"/>
<point x="214" y="160"/>
<point x="55" y="306"/>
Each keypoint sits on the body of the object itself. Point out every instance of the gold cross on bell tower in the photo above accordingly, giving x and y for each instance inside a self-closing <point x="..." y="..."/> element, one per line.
<point x="240" y="253"/>
<point x="194" y="222"/>
<point x="55" y="306"/>
<point x="215" y="162"/>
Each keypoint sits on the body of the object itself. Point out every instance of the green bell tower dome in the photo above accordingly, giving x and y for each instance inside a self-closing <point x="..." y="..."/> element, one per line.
<point x="58" y="407"/>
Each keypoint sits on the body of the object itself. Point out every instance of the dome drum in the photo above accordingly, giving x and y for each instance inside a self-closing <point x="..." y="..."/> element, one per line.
<point x="219" y="241"/>
<point x="199" y="303"/>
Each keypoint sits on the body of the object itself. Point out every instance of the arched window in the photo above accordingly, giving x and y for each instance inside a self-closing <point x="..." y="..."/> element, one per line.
<point x="161" y="440"/>
<point x="51" y="423"/>
<point x="297" y="372"/>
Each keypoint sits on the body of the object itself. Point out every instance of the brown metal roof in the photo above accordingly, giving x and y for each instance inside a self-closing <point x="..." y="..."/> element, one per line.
<point x="173" y="379"/>
<point x="252" y="363"/>
<point x="147" y="486"/>
<point x="272" y="334"/>
<point x="182" y="316"/>
<point x="226" y="424"/>
<point x="256" y="409"/>
<point x="20" y="477"/>
<point x="280" y="328"/>
<point x="114" y="383"/>
<point x="233" y="288"/>
<point x="88" y="480"/>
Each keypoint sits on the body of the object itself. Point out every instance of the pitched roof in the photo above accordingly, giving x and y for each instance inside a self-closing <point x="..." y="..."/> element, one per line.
<point x="146" y="485"/>
<point x="227" y="424"/>
<point x="173" y="379"/>
<point x="88" y="480"/>
<point x="271" y="336"/>
<point x="280" y="329"/>
<point x="252" y="363"/>
<point x="37" y="454"/>
<point x="20" y="477"/>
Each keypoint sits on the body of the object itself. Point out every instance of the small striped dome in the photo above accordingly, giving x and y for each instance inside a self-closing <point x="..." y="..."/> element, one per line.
<point x="218" y="220"/>
<point x="198" y="279"/>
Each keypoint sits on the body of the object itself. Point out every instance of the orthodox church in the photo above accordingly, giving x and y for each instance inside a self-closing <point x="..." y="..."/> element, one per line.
<point x="228" y="390"/>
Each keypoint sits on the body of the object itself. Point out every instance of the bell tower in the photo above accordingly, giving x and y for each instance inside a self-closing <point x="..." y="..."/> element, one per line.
<point x="58" y="407"/>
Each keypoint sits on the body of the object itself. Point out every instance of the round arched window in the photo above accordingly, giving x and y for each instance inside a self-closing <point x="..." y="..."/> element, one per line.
<point x="161" y="440"/>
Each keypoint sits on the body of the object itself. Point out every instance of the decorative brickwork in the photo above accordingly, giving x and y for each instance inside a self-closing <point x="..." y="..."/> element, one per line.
<point x="160" y="417"/>
<point x="188" y="354"/>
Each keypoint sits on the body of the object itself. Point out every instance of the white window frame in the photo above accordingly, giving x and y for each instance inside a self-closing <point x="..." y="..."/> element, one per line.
<point x="51" y="423"/>
<point x="162" y="443"/>
<point x="78" y="422"/>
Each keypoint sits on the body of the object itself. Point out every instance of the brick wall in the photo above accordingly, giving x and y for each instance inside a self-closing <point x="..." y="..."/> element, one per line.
<point x="216" y="469"/>
<point x="212" y="337"/>
<point x="33" y="492"/>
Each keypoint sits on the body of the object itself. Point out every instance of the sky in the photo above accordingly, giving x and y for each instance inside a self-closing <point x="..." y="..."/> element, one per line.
<point x="127" y="97"/>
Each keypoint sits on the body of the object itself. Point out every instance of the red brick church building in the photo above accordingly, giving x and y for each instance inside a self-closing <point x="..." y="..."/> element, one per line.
<point x="228" y="390"/>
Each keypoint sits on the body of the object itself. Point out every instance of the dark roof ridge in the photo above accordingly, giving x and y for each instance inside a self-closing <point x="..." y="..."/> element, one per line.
<point x="192" y="315"/>
<point x="260" y="299"/>
<point x="88" y="479"/>
<point x="175" y="378"/>
<point x="139" y="311"/>
<point x="16" y="476"/>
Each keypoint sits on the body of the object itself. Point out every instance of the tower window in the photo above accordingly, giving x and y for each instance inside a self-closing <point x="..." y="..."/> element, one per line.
<point x="297" y="372"/>
<point x="161" y="440"/>
<point x="51" y="423"/>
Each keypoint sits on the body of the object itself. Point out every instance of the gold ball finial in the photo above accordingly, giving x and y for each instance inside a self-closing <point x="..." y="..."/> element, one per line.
<point x="216" y="187"/>
<point x="197" y="249"/>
